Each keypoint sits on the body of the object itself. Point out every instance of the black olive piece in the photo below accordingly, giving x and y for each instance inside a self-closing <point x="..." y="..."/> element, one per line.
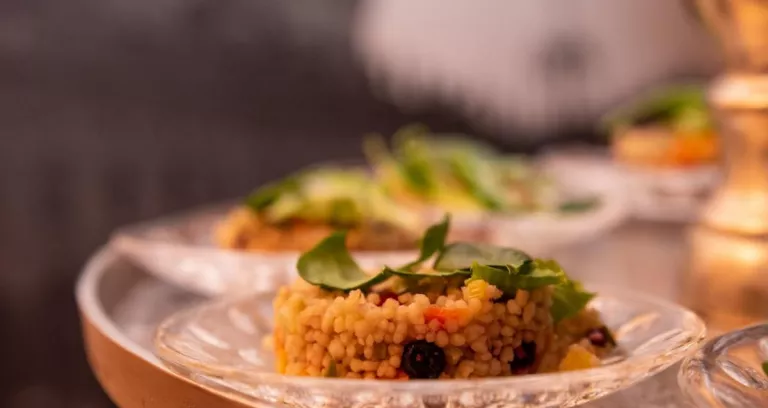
<point x="422" y="359"/>
<point x="600" y="337"/>
<point x="525" y="355"/>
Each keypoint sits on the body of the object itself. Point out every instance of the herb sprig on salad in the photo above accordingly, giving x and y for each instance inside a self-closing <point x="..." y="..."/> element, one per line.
<point x="330" y="266"/>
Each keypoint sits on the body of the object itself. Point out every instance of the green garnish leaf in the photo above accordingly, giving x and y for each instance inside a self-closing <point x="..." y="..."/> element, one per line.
<point x="269" y="193"/>
<point x="765" y="367"/>
<point x="420" y="275"/>
<point x="568" y="299"/>
<point x="680" y="107"/>
<point x="330" y="266"/>
<point x="416" y="167"/>
<point x="479" y="177"/>
<point x="532" y="274"/>
<point x="579" y="205"/>
<point x="331" y="372"/>
<point x="432" y="242"/>
<point x="462" y="255"/>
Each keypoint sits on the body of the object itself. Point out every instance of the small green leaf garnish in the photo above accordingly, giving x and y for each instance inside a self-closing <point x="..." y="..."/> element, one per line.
<point x="331" y="372"/>
<point x="532" y="274"/>
<point x="330" y="266"/>
<point x="479" y="177"/>
<point x="266" y="195"/>
<point x="568" y="298"/>
<point x="680" y="107"/>
<point x="461" y="255"/>
<point x="579" y="205"/>
<point x="765" y="367"/>
<point x="432" y="242"/>
<point x="419" y="275"/>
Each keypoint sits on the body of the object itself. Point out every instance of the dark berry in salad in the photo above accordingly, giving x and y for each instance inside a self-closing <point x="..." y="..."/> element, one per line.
<point x="422" y="359"/>
<point x="600" y="337"/>
<point x="525" y="355"/>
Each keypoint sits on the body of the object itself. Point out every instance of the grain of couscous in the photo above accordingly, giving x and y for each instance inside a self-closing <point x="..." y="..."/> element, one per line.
<point x="479" y="311"/>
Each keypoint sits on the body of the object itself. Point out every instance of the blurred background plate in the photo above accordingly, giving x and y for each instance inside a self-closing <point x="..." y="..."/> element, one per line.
<point x="180" y="250"/>
<point x="579" y="173"/>
<point x="663" y="195"/>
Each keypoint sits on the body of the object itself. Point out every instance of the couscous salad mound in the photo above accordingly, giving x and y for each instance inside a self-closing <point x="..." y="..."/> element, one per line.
<point x="478" y="311"/>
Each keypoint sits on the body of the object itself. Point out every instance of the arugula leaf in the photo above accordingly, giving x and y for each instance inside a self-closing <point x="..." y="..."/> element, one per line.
<point x="330" y="266"/>
<point x="579" y="205"/>
<point x="461" y="255"/>
<point x="416" y="167"/>
<point x="269" y="193"/>
<point x="479" y="177"/>
<point x="568" y="299"/>
<point x="765" y="367"/>
<point x="530" y="275"/>
<point x="432" y="242"/>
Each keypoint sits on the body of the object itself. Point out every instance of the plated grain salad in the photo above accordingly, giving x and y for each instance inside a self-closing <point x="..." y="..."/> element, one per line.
<point x="457" y="174"/>
<point x="668" y="128"/>
<point x="460" y="310"/>
<point x="296" y="213"/>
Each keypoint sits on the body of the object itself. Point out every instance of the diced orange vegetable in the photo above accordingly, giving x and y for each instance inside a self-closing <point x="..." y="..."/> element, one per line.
<point x="442" y="314"/>
<point x="578" y="358"/>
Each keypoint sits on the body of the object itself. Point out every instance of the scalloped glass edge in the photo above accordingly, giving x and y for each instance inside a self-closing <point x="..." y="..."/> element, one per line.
<point x="645" y="360"/>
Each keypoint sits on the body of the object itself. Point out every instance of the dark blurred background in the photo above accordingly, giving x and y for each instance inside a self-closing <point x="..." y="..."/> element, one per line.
<point x="113" y="111"/>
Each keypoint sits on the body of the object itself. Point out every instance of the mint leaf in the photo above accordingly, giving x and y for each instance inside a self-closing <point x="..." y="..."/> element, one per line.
<point x="432" y="242"/>
<point x="568" y="299"/>
<point x="330" y="266"/>
<point x="461" y="255"/>
<point x="532" y="274"/>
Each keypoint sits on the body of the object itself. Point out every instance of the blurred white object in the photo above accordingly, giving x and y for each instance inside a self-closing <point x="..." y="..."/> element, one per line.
<point x="531" y="65"/>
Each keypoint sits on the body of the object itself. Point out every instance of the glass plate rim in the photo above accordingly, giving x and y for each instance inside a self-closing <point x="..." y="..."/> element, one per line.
<point x="696" y="335"/>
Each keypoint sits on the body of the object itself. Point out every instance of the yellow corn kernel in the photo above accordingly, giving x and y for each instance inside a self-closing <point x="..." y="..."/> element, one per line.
<point x="477" y="289"/>
<point x="578" y="358"/>
<point x="282" y="361"/>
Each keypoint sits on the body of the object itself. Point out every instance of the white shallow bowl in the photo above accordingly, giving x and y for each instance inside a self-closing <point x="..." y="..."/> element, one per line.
<point x="726" y="372"/>
<point x="582" y="175"/>
<point x="675" y="195"/>
<point x="669" y="194"/>
<point x="219" y="345"/>
<point x="180" y="249"/>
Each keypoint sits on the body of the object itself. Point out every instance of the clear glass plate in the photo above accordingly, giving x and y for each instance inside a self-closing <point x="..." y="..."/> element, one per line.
<point x="727" y="371"/>
<point x="219" y="345"/>
<point x="180" y="249"/>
